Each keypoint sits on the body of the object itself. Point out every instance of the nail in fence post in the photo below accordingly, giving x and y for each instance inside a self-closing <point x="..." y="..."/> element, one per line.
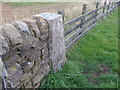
<point x="61" y="12"/>
<point x="84" y="9"/>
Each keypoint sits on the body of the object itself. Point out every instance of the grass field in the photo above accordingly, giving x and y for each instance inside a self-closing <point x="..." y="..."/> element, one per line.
<point x="14" y="11"/>
<point x="28" y="3"/>
<point x="93" y="61"/>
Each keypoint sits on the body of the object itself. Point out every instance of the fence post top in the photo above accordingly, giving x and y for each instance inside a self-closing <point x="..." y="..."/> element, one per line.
<point x="84" y="5"/>
<point x="48" y="16"/>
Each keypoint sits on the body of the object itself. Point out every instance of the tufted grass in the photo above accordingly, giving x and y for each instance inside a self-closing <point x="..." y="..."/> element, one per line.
<point x="93" y="61"/>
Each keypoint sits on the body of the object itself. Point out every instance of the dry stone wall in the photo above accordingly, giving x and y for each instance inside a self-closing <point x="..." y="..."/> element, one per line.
<point x="27" y="49"/>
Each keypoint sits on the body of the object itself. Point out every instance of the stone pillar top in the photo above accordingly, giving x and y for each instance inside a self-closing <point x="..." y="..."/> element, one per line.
<point x="48" y="16"/>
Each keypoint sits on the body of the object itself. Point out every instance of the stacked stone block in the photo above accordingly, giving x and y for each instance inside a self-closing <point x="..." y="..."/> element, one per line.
<point x="29" y="49"/>
<point x="25" y="52"/>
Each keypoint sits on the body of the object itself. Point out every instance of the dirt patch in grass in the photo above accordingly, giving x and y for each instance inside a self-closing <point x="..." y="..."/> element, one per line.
<point x="102" y="69"/>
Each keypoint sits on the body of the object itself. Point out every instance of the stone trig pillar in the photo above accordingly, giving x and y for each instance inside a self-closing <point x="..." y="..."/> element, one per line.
<point x="56" y="39"/>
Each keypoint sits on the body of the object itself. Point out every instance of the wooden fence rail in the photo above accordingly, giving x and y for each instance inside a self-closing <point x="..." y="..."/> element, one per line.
<point x="82" y="24"/>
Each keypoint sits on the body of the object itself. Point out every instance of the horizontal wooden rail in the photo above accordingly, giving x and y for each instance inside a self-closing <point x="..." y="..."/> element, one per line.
<point x="80" y="36"/>
<point x="78" y="25"/>
<point x="74" y="34"/>
<point x="78" y="18"/>
<point x="82" y="29"/>
<point x="82" y="16"/>
<point x="78" y="31"/>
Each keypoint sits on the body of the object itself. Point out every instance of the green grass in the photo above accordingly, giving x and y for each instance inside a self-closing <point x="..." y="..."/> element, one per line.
<point x="93" y="61"/>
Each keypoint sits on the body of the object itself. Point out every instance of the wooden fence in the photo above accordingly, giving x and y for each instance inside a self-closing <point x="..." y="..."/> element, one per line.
<point x="76" y="28"/>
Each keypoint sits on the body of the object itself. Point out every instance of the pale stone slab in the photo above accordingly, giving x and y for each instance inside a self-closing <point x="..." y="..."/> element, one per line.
<point x="12" y="33"/>
<point x="21" y="26"/>
<point x="56" y="39"/>
<point x="4" y="48"/>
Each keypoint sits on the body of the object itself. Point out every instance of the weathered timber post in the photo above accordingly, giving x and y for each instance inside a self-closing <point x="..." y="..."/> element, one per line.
<point x="84" y="9"/>
<point x="104" y="9"/>
<point x="112" y="6"/>
<point x="118" y="3"/>
<point x="61" y="12"/>
<point x="109" y="7"/>
<point x="97" y="5"/>
<point x="56" y="40"/>
<point x="96" y="12"/>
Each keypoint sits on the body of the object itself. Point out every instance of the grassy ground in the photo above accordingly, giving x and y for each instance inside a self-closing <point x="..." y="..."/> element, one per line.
<point x="93" y="61"/>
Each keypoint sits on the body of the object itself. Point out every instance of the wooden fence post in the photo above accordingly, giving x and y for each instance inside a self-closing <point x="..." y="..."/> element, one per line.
<point x="97" y="5"/>
<point x="113" y="6"/>
<point x="109" y="7"/>
<point x="118" y="3"/>
<point x="62" y="12"/>
<point x="84" y="9"/>
<point x="104" y="9"/>
<point x="96" y="12"/>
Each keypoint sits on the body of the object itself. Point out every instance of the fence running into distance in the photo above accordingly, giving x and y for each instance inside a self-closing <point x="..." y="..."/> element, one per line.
<point x="77" y="27"/>
<point x="32" y="48"/>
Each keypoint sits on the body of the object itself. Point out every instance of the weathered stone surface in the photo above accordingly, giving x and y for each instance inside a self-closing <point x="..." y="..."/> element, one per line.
<point x="28" y="53"/>
<point x="42" y="72"/>
<point x="16" y="73"/>
<point x="44" y="37"/>
<point x="35" y="69"/>
<point x="4" y="47"/>
<point x="36" y="57"/>
<point x="33" y="27"/>
<point x="37" y="85"/>
<point x="56" y="39"/>
<point x="12" y="60"/>
<point x="37" y="45"/>
<point x="44" y="61"/>
<point x="28" y="85"/>
<point x="26" y="75"/>
<point x="2" y="69"/>
<point x="42" y="24"/>
<point x="26" y="66"/>
<point x="41" y="46"/>
<point x="2" y="34"/>
<point x="0" y="83"/>
<point x="28" y="42"/>
<point x="14" y="69"/>
<point x="44" y="52"/>
<point x="12" y="33"/>
<point x="21" y="26"/>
